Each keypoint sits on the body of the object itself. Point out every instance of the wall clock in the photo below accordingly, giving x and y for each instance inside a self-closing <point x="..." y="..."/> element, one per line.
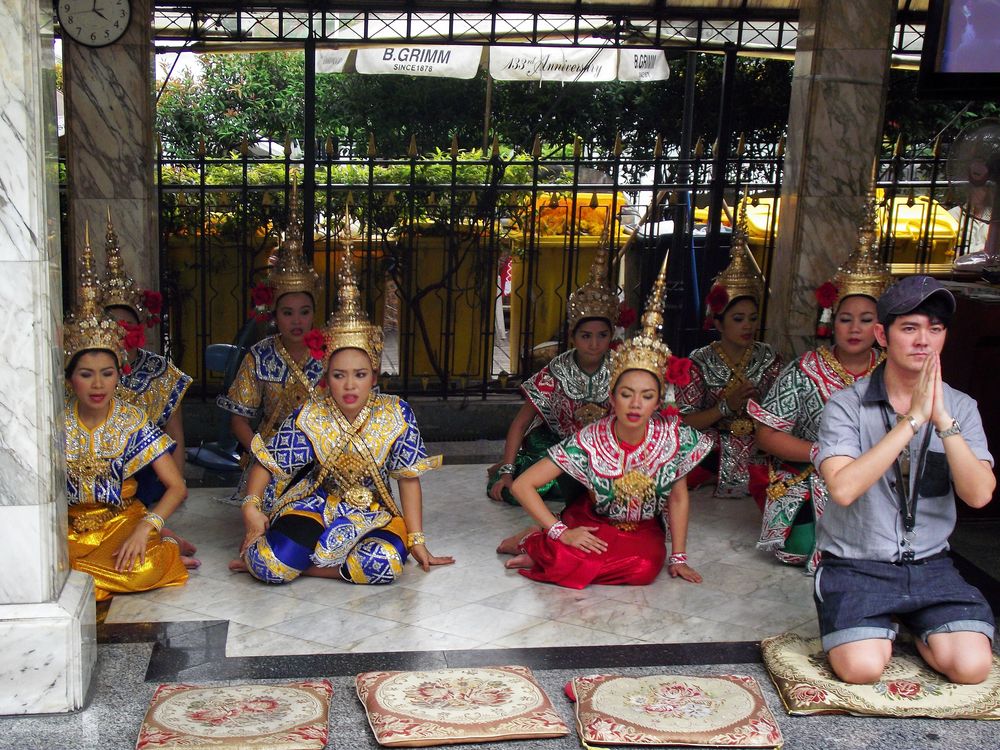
<point x="95" y="23"/>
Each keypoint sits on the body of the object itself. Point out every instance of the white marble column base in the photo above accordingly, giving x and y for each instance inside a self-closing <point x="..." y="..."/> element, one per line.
<point x="49" y="652"/>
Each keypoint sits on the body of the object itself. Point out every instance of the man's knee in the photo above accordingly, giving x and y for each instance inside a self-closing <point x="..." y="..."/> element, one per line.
<point x="861" y="662"/>
<point x="963" y="657"/>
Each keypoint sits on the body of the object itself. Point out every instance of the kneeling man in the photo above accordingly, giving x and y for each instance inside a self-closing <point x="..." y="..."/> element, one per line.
<point x="895" y="449"/>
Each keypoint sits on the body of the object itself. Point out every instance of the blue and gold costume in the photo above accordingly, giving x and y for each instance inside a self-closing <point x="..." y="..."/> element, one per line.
<point x="269" y="386"/>
<point x="341" y="514"/>
<point x="101" y="494"/>
<point x="155" y="385"/>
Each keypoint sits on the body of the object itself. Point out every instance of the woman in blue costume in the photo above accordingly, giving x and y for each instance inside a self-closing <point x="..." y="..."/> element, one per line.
<point x="335" y="455"/>
<point x="567" y="394"/>
<point x="279" y="374"/>
<point x="108" y="441"/>
<point x="150" y="381"/>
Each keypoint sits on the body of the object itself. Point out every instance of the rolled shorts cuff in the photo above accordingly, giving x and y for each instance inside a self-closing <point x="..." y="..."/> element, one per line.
<point x="961" y="626"/>
<point x="864" y="633"/>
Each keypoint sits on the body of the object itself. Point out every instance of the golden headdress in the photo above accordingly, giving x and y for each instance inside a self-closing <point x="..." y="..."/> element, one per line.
<point x="741" y="278"/>
<point x="862" y="273"/>
<point x="291" y="273"/>
<point x="120" y="289"/>
<point x="349" y="327"/>
<point x="646" y="350"/>
<point x="596" y="298"/>
<point x="88" y="326"/>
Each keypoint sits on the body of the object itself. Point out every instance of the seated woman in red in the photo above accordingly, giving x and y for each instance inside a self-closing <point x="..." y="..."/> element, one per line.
<point x="633" y="464"/>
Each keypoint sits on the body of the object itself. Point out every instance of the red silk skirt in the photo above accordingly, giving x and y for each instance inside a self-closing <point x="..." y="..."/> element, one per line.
<point x="635" y="554"/>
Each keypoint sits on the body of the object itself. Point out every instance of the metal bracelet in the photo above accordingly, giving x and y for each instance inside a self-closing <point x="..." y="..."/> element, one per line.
<point x="256" y="500"/>
<point x="723" y="407"/>
<point x="678" y="558"/>
<point x="556" y="530"/>
<point x="506" y="469"/>
<point x="415" y="537"/>
<point x="154" y="519"/>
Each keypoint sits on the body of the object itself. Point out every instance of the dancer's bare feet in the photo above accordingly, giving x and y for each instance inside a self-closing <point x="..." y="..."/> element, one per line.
<point x="512" y="544"/>
<point x="187" y="549"/>
<point x="237" y="565"/>
<point x="519" y="561"/>
<point x="191" y="563"/>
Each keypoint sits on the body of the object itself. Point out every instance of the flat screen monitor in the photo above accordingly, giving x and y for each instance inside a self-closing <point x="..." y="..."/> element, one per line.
<point x="961" y="53"/>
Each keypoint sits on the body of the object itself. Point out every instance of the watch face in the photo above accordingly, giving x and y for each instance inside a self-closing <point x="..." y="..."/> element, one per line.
<point x="94" y="23"/>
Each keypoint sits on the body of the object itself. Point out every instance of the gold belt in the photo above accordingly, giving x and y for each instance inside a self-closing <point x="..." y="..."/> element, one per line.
<point x="625" y="525"/>
<point x="87" y="522"/>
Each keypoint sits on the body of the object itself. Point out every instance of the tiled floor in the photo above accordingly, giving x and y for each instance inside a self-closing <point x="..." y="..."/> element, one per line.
<point x="476" y="603"/>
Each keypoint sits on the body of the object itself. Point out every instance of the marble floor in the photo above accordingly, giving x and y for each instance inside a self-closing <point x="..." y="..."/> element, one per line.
<point x="476" y="603"/>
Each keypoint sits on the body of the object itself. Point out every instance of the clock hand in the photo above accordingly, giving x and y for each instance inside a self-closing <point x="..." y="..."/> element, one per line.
<point x="98" y="11"/>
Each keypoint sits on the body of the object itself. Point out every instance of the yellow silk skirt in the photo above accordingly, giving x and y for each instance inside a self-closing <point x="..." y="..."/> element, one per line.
<point x="97" y="531"/>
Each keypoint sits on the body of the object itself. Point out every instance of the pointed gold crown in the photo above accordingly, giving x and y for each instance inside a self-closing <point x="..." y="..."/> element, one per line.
<point x="349" y="327"/>
<point x="864" y="272"/>
<point x="742" y="277"/>
<point x="119" y="288"/>
<point x="646" y="350"/>
<point x="596" y="298"/>
<point x="291" y="273"/>
<point x="88" y="326"/>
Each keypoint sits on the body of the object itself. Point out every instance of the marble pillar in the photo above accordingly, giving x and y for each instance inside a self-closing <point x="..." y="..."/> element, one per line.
<point x="839" y="85"/>
<point x="110" y="146"/>
<point x="47" y="617"/>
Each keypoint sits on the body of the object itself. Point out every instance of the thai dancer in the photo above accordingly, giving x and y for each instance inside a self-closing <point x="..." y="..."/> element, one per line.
<point x="113" y="537"/>
<point x="632" y="464"/>
<point x="791" y="493"/>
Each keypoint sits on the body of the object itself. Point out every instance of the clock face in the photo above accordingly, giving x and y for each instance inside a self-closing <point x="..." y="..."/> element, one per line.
<point x="95" y="23"/>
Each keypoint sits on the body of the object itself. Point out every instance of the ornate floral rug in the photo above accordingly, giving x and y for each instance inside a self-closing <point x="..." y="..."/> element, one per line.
<point x="909" y="688"/>
<point x="722" y="711"/>
<point x="448" y="706"/>
<point x="290" y="716"/>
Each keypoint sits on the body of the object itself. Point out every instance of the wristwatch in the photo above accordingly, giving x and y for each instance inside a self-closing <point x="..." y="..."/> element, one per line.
<point x="955" y="429"/>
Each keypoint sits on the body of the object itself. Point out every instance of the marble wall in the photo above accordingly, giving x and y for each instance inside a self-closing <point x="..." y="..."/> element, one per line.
<point x="110" y="146"/>
<point x="46" y="612"/>
<point x="839" y="85"/>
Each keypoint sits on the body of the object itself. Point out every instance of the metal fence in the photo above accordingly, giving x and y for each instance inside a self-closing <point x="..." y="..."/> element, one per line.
<point x="467" y="259"/>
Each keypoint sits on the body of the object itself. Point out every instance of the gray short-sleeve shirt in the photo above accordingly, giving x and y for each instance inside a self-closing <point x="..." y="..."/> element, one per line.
<point x="871" y="528"/>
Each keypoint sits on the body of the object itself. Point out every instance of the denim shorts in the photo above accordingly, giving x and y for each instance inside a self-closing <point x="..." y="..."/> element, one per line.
<point x="858" y="599"/>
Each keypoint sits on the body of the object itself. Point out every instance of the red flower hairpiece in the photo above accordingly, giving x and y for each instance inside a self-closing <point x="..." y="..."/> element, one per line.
<point x="153" y="302"/>
<point x="626" y="315"/>
<point x="135" y="335"/>
<point x="669" y="411"/>
<point x="316" y="342"/>
<point x="826" y="294"/>
<point x="678" y="371"/>
<point x="262" y="297"/>
<point x="717" y="299"/>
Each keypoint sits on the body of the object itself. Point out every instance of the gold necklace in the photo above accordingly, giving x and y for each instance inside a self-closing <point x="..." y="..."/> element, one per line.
<point x="835" y="364"/>
<point x="291" y="364"/>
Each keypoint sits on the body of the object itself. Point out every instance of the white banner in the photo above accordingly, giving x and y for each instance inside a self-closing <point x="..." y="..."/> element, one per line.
<point x="421" y="60"/>
<point x="510" y="63"/>
<point x="331" y="60"/>
<point x="642" y="65"/>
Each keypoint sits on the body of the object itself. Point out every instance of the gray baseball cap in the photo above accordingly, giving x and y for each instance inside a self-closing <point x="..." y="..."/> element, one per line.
<point x="909" y="293"/>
